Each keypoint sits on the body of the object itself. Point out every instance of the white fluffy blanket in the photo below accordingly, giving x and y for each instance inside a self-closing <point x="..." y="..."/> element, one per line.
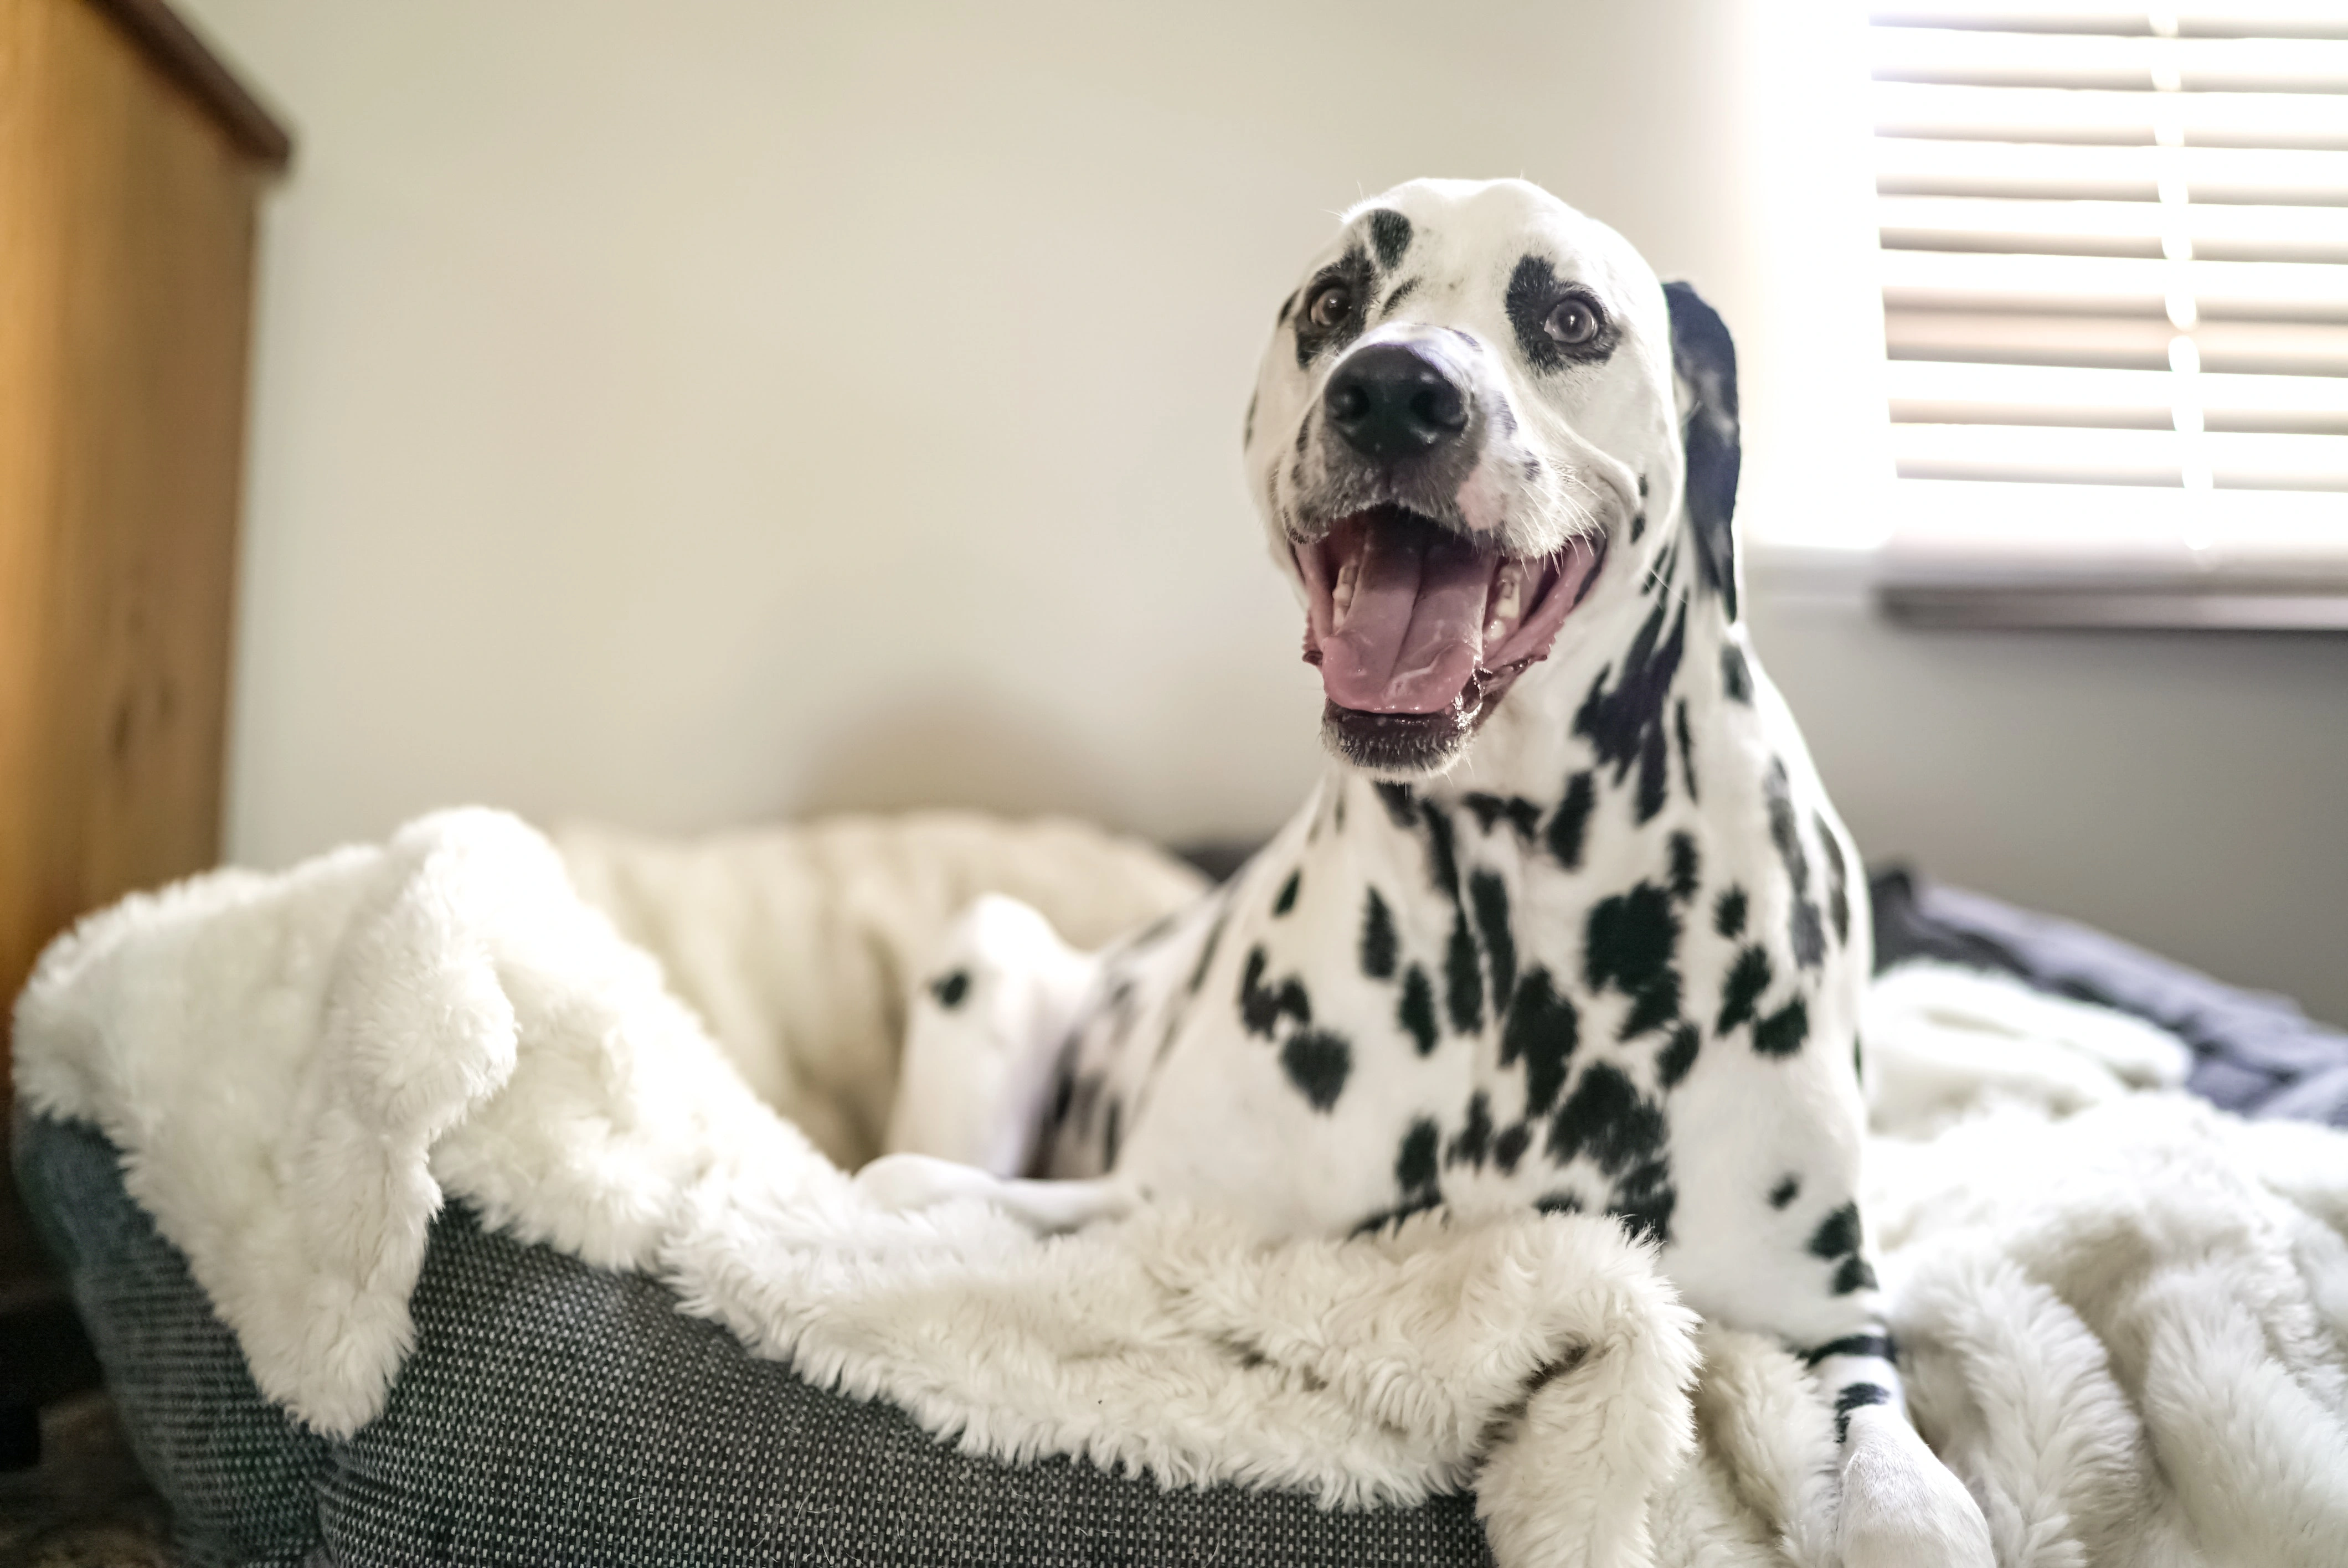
<point x="2125" y="1314"/>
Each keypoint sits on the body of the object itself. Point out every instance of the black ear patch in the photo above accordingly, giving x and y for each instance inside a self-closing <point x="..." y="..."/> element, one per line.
<point x="1706" y="361"/>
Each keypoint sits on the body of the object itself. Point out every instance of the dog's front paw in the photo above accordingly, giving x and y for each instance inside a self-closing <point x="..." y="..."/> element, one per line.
<point x="1901" y="1508"/>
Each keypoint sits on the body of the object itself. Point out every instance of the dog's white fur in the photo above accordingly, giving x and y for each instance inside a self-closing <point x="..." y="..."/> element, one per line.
<point x="2127" y="1327"/>
<point x="1572" y="871"/>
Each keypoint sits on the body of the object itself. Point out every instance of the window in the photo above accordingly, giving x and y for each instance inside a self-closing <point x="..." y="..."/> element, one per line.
<point x="2115" y="264"/>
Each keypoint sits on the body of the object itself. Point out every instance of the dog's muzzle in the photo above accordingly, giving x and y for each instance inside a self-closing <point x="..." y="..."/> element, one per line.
<point x="1418" y="619"/>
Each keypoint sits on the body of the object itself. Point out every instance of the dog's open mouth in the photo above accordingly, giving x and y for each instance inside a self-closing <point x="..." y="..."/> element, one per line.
<point x="1406" y="618"/>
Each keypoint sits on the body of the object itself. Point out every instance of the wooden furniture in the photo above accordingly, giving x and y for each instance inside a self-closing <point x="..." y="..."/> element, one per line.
<point x="132" y="167"/>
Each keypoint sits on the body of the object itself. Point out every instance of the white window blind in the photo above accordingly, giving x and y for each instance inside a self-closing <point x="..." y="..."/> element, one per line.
<point x="2114" y="261"/>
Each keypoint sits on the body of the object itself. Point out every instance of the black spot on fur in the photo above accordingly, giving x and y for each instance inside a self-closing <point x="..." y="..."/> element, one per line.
<point x="1685" y="867"/>
<point x="1510" y="1147"/>
<point x="1543" y="1031"/>
<point x="1442" y="860"/>
<point x="1390" y="233"/>
<point x="1785" y="1031"/>
<point x="1879" y="1345"/>
<point x="1856" y="1274"/>
<point x="1415" y="1169"/>
<point x="1644" y="1202"/>
<point x="1837" y="879"/>
<point x="1678" y="1056"/>
<point x="1062" y="1093"/>
<point x="1638" y="526"/>
<point x="1287" y="898"/>
<point x="1687" y="747"/>
<point x="1806" y="932"/>
<point x="1663" y="574"/>
<point x="1387" y="1218"/>
<point x="1473" y="1141"/>
<point x="1378" y="943"/>
<point x="1532" y="468"/>
<point x="1626" y="724"/>
<point x="1463" y="979"/>
<point x="1656" y="1006"/>
<point x="1803" y="927"/>
<point x="1629" y="943"/>
<point x="1488" y="896"/>
<point x="1608" y="1120"/>
<point x="1416" y="1011"/>
<point x="1736" y="679"/>
<point x="1747" y="978"/>
<point x="1400" y="808"/>
<point x="1485" y="808"/>
<point x="1706" y="359"/>
<point x="1787" y="1189"/>
<point x="1109" y="1128"/>
<point x="1728" y="914"/>
<point x="950" y="988"/>
<point x="1317" y="1061"/>
<point x="1261" y="1006"/>
<point x="1856" y="1396"/>
<point x="1570" y="826"/>
<point x="1533" y="292"/>
<point x="1402" y="292"/>
<point x="1838" y="1235"/>
<point x="1557" y="1203"/>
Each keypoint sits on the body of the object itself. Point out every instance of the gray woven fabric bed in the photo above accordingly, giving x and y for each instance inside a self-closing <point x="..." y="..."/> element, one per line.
<point x="557" y="1413"/>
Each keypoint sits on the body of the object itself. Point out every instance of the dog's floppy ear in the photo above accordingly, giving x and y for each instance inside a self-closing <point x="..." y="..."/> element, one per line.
<point x="1706" y="361"/>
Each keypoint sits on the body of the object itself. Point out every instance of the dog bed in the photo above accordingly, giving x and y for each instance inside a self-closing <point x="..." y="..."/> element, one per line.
<point x="418" y="1217"/>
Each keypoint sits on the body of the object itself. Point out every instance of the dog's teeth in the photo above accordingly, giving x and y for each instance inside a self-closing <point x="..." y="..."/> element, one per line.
<point x="1508" y="592"/>
<point x="1342" y="598"/>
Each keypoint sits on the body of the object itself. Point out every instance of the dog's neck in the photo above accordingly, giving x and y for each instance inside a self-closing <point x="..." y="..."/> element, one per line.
<point x="1609" y="698"/>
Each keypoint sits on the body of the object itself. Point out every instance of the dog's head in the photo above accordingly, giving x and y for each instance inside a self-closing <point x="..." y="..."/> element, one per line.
<point x="1479" y="411"/>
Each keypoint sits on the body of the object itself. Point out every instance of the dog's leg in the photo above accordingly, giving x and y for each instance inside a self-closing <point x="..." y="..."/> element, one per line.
<point x="986" y="1028"/>
<point x="1901" y="1507"/>
<point x="987" y="1024"/>
<point x="1900" y="1504"/>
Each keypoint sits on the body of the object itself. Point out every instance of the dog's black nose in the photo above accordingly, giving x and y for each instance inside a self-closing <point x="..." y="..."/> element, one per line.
<point x="1391" y="401"/>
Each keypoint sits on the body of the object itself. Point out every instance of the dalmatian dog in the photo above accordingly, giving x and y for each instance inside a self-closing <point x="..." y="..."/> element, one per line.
<point x="1568" y="923"/>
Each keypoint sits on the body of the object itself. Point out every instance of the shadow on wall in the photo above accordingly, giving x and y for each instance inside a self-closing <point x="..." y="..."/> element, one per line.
<point x="979" y="749"/>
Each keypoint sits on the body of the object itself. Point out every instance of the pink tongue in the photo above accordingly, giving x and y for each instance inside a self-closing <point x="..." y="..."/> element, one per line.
<point x="1413" y="634"/>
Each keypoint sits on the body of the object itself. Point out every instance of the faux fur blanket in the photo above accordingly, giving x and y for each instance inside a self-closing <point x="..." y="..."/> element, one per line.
<point x="2125" y="1314"/>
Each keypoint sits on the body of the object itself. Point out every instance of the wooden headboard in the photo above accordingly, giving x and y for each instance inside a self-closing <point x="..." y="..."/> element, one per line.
<point x="131" y="168"/>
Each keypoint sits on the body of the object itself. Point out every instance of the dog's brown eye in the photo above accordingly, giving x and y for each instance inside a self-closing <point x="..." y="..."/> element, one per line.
<point x="1572" y="321"/>
<point x="1332" y="303"/>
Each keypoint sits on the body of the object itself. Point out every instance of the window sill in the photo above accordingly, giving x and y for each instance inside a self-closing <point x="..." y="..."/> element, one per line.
<point x="2112" y="607"/>
<point x="2047" y="556"/>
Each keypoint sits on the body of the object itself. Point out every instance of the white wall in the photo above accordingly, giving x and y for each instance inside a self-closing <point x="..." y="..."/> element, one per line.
<point x="689" y="413"/>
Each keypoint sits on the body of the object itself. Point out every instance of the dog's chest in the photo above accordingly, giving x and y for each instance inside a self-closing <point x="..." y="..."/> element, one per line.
<point x="1481" y="1000"/>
